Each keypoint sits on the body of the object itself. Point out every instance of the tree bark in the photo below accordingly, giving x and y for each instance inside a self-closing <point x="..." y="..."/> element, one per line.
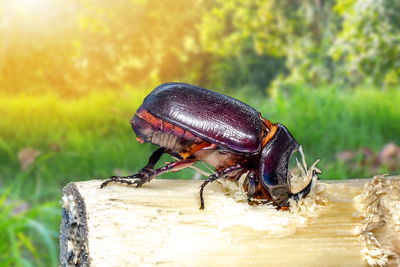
<point x="341" y="223"/>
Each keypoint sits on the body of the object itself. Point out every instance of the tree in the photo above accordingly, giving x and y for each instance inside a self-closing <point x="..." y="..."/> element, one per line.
<point x="368" y="46"/>
<point x="298" y="32"/>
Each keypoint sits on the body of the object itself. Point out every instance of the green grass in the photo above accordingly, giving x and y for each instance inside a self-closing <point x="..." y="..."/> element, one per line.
<point x="90" y="137"/>
<point x="28" y="232"/>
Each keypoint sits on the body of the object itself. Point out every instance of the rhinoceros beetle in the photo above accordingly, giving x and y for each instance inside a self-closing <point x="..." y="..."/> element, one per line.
<point x="196" y="124"/>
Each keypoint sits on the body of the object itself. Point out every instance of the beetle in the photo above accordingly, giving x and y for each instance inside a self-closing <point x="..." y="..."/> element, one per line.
<point x="196" y="124"/>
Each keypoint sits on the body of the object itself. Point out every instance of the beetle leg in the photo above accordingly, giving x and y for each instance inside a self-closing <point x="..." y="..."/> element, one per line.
<point x="138" y="179"/>
<point x="172" y="166"/>
<point x="147" y="174"/>
<point x="121" y="179"/>
<point x="145" y="171"/>
<point x="251" y="176"/>
<point x="154" y="158"/>
<point x="214" y="177"/>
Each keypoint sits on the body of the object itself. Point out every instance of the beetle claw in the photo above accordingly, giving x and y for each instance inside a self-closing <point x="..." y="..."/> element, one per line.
<point x="140" y="181"/>
<point x="145" y="175"/>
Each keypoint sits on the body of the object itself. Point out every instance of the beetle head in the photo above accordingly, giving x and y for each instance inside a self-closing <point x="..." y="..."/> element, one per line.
<point x="274" y="167"/>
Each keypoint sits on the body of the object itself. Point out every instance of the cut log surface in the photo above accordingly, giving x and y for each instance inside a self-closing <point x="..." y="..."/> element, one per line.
<point x="344" y="223"/>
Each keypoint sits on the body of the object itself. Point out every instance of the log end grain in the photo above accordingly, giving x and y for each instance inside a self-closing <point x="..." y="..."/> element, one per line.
<point x="74" y="250"/>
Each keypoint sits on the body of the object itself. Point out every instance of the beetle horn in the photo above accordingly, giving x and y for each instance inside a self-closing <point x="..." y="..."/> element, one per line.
<point x="299" y="182"/>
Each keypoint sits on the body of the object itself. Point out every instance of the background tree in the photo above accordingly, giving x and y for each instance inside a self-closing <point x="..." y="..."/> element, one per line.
<point x="368" y="45"/>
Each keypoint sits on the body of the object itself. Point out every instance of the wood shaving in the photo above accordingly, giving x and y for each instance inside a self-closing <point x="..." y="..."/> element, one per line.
<point x="379" y="206"/>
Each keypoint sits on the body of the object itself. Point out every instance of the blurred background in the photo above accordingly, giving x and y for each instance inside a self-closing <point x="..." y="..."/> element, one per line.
<point x="73" y="72"/>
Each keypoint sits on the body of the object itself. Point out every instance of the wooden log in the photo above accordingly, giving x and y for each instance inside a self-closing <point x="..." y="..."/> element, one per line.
<point x="345" y="223"/>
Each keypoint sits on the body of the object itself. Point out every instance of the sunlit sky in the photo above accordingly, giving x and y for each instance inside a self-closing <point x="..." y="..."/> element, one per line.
<point x="35" y="14"/>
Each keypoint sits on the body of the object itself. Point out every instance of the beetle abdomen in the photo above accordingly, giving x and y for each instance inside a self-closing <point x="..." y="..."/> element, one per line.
<point x="150" y="129"/>
<point x="212" y="116"/>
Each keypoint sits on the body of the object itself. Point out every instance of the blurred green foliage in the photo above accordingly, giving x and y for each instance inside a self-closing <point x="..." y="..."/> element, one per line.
<point x="347" y="42"/>
<point x="369" y="41"/>
<point x="27" y="232"/>
<point x="97" y="44"/>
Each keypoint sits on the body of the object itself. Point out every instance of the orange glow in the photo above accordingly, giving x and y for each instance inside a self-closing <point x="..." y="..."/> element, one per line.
<point x="80" y="46"/>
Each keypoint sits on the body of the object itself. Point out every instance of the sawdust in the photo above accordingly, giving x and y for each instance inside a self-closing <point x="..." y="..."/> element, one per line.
<point x="379" y="206"/>
<point x="280" y="222"/>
